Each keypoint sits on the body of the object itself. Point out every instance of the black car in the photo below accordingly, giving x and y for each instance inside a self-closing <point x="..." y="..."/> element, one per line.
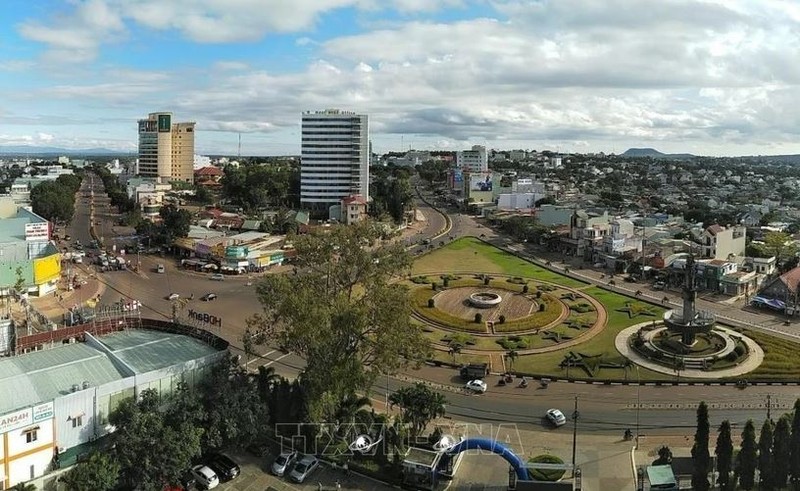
<point x="225" y="468"/>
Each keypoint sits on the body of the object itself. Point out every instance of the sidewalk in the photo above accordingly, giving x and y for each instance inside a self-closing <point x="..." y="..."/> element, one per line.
<point x="54" y="305"/>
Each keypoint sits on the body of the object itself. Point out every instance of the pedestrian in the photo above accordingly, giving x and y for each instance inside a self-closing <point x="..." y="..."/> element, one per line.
<point x="338" y="485"/>
<point x="319" y="486"/>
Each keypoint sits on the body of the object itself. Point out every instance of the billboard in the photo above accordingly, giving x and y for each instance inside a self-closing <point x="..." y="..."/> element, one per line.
<point x="37" y="231"/>
<point x="164" y="123"/>
<point x="480" y="182"/>
<point x="46" y="269"/>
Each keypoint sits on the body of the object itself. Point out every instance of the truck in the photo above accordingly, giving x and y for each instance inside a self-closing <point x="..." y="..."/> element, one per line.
<point x="474" y="371"/>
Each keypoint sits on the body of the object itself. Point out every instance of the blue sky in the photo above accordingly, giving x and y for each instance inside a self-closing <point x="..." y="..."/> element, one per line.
<point x="703" y="76"/>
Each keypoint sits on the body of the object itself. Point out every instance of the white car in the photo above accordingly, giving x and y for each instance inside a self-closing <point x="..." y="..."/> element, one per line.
<point x="218" y="277"/>
<point x="284" y="462"/>
<point x="205" y="476"/>
<point x="173" y="296"/>
<point x="476" y="386"/>
<point x="556" y="417"/>
<point x="303" y="468"/>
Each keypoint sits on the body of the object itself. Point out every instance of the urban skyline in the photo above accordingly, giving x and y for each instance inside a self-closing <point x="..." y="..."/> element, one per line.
<point x="702" y="77"/>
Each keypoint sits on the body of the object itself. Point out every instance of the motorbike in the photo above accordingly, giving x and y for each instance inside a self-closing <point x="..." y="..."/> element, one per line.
<point x="628" y="435"/>
<point x="523" y="384"/>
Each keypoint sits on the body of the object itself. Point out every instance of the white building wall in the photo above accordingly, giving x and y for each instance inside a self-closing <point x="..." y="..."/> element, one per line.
<point x="475" y="160"/>
<point x="75" y="417"/>
<point x="34" y="464"/>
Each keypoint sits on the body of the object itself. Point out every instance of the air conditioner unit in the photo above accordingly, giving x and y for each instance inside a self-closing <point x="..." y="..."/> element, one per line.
<point x="86" y="384"/>
<point x="62" y="449"/>
<point x="76" y="387"/>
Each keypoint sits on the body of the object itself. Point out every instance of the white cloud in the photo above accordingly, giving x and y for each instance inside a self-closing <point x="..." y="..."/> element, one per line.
<point x="685" y="72"/>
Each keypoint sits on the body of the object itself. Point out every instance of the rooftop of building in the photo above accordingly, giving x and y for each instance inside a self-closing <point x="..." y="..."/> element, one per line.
<point x="208" y="171"/>
<point x="41" y="376"/>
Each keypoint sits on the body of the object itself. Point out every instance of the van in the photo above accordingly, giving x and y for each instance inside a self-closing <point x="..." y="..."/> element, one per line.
<point x="474" y="371"/>
<point x="160" y="268"/>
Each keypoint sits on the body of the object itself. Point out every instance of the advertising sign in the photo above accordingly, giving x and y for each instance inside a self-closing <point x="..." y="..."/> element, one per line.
<point x="480" y="182"/>
<point x="205" y="318"/>
<point x="236" y="252"/>
<point x="26" y="417"/>
<point x="164" y="123"/>
<point x="37" y="231"/>
<point x="43" y="412"/>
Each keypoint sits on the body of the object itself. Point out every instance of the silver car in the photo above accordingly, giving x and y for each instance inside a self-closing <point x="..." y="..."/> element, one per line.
<point x="284" y="462"/>
<point x="303" y="468"/>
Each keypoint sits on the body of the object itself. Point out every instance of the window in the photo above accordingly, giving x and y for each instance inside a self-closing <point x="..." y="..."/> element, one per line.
<point x="77" y="421"/>
<point x="31" y="436"/>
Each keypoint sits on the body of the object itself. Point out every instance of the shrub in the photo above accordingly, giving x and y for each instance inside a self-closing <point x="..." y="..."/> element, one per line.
<point x="664" y="456"/>
<point x="542" y="307"/>
<point x="501" y="319"/>
<point x="419" y="280"/>
<point x="433" y="286"/>
<point x="430" y="303"/>
<point x="732" y="356"/>
<point x="740" y="349"/>
<point x="478" y="318"/>
<point x="486" y="280"/>
<point x="525" y="288"/>
<point x="446" y="282"/>
<point x="538" y="294"/>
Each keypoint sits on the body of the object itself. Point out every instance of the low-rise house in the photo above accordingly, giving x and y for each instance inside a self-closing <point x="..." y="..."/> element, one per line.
<point x="719" y="242"/>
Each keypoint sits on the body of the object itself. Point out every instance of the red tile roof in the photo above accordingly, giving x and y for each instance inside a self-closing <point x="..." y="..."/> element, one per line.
<point x="208" y="171"/>
<point x="354" y="199"/>
<point x="791" y="279"/>
<point x="714" y="229"/>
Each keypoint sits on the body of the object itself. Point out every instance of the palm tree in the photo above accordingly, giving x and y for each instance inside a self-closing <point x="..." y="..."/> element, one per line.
<point x="512" y="357"/>
<point x="419" y="405"/>
<point x="455" y="348"/>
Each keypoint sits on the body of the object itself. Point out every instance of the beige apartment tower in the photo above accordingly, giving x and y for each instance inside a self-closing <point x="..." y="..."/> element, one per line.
<point x="166" y="149"/>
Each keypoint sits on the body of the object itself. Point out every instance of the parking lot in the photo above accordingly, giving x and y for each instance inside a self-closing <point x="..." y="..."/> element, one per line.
<point x="255" y="476"/>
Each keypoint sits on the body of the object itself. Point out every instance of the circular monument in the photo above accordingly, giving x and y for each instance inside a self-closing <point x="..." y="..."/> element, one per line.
<point x="485" y="300"/>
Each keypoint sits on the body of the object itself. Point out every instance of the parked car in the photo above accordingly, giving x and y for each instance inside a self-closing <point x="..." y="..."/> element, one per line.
<point x="173" y="296"/>
<point x="630" y="279"/>
<point x="205" y="477"/>
<point x="225" y="468"/>
<point x="283" y="462"/>
<point x="303" y="468"/>
<point x="218" y="277"/>
<point x="659" y="285"/>
<point x="209" y="297"/>
<point x="556" y="417"/>
<point x="476" y="386"/>
<point x="187" y="481"/>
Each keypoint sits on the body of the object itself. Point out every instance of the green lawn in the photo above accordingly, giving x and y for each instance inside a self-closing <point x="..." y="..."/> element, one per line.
<point x="780" y="358"/>
<point x="469" y="254"/>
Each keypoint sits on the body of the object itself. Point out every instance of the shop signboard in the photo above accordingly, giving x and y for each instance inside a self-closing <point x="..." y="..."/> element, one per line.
<point x="37" y="231"/>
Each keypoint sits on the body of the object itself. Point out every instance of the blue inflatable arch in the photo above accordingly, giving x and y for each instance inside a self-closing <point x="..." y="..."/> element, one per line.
<point x="492" y="446"/>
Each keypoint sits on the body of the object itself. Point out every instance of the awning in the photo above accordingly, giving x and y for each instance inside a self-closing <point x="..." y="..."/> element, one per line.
<point x="32" y="428"/>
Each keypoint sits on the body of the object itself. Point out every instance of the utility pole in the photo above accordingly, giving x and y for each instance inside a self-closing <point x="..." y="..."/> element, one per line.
<point x="574" y="433"/>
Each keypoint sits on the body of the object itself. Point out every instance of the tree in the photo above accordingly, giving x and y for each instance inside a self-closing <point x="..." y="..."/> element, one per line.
<point x="512" y="356"/>
<point x="234" y="411"/>
<point x="99" y="473"/>
<point x="455" y="349"/>
<point x="419" y="405"/>
<point x="794" y="448"/>
<point x="343" y="313"/>
<point x="24" y="486"/>
<point x="202" y="195"/>
<point x="780" y="245"/>
<point x="700" y="456"/>
<point x="747" y="459"/>
<point x="724" y="453"/>
<point x="781" y="451"/>
<point x="175" y="222"/>
<point x="766" y="462"/>
<point x="140" y="426"/>
<point x="53" y="202"/>
<point x="19" y="284"/>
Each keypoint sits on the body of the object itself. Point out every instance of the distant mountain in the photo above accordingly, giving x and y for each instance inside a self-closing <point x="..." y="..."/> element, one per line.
<point x="653" y="153"/>
<point x="35" y="151"/>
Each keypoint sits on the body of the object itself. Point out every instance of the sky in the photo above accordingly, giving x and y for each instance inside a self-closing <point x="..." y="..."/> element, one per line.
<point x="712" y="77"/>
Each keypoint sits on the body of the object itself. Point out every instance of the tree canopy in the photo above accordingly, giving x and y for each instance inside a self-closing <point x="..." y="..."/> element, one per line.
<point x="258" y="186"/>
<point x="99" y="473"/>
<point x="55" y="200"/>
<point x="341" y="312"/>
<point x="419" y="405"/>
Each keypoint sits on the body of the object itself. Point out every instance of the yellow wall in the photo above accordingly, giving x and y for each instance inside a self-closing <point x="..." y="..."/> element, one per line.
<point x="46" y="269"/>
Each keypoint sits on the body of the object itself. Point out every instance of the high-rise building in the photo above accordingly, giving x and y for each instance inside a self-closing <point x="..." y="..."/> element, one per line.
<point x="474" y="160"/>
<point x="166" y="149"/>
<point x="335" y="158"/>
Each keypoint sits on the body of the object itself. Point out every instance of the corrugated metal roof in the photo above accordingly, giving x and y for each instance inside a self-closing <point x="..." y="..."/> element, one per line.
<point x="145" y="350"/>
<point x="41" y="376"/>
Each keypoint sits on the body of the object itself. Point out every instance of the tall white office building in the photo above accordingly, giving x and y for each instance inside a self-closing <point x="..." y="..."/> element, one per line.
<point x="334" y="158"/>
<point x="475" y="160"/>
<point x="166" y="149"/>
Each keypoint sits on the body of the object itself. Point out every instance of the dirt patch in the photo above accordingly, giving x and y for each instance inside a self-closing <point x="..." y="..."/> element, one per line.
<point x="454" y="301"/>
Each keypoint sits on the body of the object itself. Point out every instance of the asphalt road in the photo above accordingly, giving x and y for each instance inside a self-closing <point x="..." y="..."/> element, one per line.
<point x="603" y="409"/>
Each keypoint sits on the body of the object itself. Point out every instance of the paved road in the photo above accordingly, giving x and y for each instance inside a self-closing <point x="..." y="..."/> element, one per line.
<point x="604" y="409"/>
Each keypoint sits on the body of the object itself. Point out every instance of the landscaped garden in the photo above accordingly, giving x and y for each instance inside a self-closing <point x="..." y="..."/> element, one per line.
<point x="547" y="324"/>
